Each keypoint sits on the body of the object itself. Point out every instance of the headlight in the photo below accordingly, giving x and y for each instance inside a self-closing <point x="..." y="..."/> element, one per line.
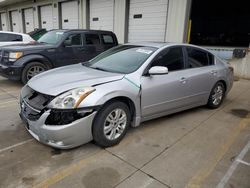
<point x="71" y="99"/>
<point x="13" y="56"/>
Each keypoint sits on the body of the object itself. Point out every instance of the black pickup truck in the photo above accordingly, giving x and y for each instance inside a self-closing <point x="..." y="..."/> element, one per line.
<point x="54" y="49"/>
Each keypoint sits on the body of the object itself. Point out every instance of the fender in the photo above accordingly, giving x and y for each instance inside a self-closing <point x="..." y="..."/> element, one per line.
<point x="23" y="61"/>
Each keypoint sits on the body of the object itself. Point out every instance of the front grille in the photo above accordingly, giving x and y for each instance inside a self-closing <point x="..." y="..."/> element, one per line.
<point x="33" y="103"/>
<point x="29" y="112"/>
<point x="37" y="100"/>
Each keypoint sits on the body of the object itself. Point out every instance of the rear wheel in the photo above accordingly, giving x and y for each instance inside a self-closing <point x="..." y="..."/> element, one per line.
<point x="31" y="70"/>
<point x="111" y="124"/>
<point x="216" y="96"/>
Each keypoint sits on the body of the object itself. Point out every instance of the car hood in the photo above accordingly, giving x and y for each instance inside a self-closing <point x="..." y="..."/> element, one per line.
<point x="27" y="46"/>
<point x="57" y="81"/>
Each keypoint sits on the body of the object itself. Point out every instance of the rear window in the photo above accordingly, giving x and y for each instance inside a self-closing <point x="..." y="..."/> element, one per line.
<point x="7" y="37"/>
<point x="107" y="39"/>
<point x="92" y="39"/>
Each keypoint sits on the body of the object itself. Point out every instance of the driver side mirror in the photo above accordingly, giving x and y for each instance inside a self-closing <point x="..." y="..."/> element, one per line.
<point x="158" y="70"/>
<point x="67" y="42"/>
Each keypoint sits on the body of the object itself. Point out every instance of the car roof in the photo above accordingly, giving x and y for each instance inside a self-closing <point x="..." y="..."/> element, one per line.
<point x="10" y="32"/>
<point x="163" y="44"/>
<point x="81" y="30"/>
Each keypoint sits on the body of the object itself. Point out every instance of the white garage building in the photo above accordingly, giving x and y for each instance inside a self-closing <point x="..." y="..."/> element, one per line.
<point x="130" y="20"/>
<point x="207" y="23"/>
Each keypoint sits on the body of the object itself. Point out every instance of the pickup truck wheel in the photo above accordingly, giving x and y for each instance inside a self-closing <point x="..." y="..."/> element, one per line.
<point x="111" y="124"/>
<point x="32" y="69"/>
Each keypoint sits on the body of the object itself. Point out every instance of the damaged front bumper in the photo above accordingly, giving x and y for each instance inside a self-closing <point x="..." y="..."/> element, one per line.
<point x="63" y="136"/>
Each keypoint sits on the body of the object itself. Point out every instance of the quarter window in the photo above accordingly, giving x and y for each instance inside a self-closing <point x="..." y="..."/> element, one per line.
<point x="92" y="39"/>
<point x="197" y="58"/>
<point x="172" y="58"/>
<point x="107" y="39"/>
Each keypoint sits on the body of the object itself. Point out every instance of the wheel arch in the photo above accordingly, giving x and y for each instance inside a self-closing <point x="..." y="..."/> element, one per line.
<point x="125" y="100"/>
<point x="224" y="84"/>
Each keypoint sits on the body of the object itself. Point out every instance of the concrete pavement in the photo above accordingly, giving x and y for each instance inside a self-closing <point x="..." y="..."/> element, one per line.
<point x="195" y="148"/>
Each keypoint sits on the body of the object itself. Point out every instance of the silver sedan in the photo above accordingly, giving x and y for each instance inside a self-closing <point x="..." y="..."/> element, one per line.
<point x="122" y="87"/>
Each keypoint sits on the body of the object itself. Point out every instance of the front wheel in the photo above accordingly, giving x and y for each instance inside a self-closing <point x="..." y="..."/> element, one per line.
<point x="32" y="69"/>
<point x="216" y="96"/>
<point x="111" y="124"/>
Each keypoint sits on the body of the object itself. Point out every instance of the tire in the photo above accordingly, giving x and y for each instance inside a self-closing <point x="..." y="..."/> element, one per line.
<point x="36" y="67"/>
<point x="217" y="96"/>
<point x="103" y="121"/>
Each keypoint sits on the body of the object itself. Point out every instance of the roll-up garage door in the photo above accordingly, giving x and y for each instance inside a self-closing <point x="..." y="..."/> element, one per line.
<point x="147" y="20"/>
<point x="15" y="23"/>
<point x="3" y="21"/>
<point x="101" y="14"/>
<point x="28" y="20"/>
<point x="46" y="17"/>
<point x="70" y="15"/>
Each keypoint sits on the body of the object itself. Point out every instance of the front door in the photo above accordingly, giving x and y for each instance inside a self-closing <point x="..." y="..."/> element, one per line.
<point x="71" y="50"/>
<point x="163" y="94"/>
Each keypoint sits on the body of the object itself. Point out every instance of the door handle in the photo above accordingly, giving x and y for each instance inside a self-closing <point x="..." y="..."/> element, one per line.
<point x="183" y="80"/>
<point x="213" y="72"/>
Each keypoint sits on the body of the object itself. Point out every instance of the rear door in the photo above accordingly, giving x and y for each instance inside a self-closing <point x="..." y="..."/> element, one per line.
<point x="92" y="45"/>
<point x="202" y="73"/>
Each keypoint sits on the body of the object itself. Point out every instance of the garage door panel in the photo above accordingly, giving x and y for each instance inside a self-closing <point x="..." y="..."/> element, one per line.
<point x="147" y="5"/>
<point x="70" y="15"/>
<point x="29" y="20"/>
<point x="46" y="17"/>
<point x="149" y="10"/>
<point x="4" y="21"/>
<point x="15" y="21"/>
<point x="102" y="14"/>
<point x="147" y="20"/>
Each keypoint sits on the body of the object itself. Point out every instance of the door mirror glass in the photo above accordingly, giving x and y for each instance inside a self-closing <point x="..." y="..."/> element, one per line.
<point x="158" y="70"/>
<point x="73" y="40"/>
<point x="67" y="42"/>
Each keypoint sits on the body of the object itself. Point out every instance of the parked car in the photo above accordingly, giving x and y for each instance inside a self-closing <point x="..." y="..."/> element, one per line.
<point x="10" y="38"/>
<point x="54" y="49"/>
<point x="124" y="86"/>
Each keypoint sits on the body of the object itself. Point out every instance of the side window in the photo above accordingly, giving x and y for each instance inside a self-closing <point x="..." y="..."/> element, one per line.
<point x="197" y="58"/>
<point x="3" y="37"/>
<point x="172" y="58"/>
<point x="107" y="39"/>
<point x="92" y="39"/>
<point x="73" y="40"/>
<point x="13" y="37"/>
<point x="211" y="59"/>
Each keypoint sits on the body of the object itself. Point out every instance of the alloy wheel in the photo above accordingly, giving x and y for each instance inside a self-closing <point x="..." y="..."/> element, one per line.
<point x="115" y="124"/>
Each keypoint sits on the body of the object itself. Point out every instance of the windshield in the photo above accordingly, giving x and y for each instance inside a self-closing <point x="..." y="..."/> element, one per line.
<point x="122" y="59"/>
<point x="52" y="37"/>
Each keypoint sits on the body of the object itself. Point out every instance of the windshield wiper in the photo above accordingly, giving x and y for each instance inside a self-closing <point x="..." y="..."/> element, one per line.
<point x="85" y="63"/>
<point x="98" y="68"/>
